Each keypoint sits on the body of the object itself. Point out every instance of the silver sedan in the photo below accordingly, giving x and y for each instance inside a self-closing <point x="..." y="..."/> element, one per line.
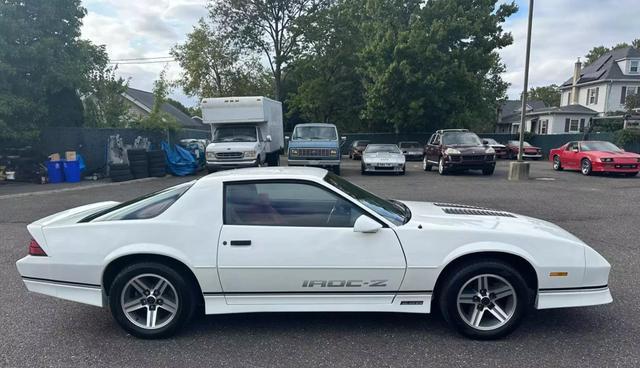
<point x="383" y="158"/>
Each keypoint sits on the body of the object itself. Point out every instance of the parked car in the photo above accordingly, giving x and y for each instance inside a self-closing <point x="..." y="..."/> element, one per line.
<point x="356" y="149"/>
<point x="458" y="149"/>
<point x="383" y="158"/>
<point x="315" y="145"/>
<point x="501" y="149"/>
<point x="595" y="156"/>
<point x="303" y="239"/>
<point x="532" y="152"/>
<point x="412" y="150"/>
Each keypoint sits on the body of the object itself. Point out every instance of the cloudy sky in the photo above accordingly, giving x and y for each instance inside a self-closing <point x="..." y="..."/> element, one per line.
<point x="562" y="31"/>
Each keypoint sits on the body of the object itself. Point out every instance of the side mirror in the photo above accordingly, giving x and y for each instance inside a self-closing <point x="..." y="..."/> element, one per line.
<point x="365" y="224"/>
<point x="485" y="142"/>
<point x="286" y="137"/>
<point x="267" y="138"/>
<point x="343" y="138"/>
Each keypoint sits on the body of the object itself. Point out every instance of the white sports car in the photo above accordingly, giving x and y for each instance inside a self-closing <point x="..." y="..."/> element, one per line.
<point x="303" y="239"/>
<point x="383" y="158"/>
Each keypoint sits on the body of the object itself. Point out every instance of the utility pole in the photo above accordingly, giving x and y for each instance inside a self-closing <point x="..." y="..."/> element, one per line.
<point x="520" y="170"/>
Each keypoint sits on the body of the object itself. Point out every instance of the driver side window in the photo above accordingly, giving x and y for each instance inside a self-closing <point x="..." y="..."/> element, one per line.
<point x="572" y="146"/>
<point x="286" y="204"/>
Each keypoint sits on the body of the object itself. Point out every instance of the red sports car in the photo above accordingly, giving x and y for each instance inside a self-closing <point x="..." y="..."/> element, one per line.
<point x="595" y="156"/>
<point x="533" y="152"/>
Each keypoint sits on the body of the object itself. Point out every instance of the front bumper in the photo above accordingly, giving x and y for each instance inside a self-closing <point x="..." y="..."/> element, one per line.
<point x="461" y="162"/>
<point x="313" y="162"/>
<point x="615" y="167"/>
<point x="565" y="298"/>
<point x="230" y="164"/>
<point x="373" y="167"/>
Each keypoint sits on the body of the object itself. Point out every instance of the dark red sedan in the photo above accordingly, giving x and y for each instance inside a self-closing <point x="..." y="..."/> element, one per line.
<point x="532" y="152"/>
<point x="595" y="156"/>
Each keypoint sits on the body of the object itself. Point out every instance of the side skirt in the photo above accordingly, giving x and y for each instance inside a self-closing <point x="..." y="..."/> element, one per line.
<point x="338" y="302"/>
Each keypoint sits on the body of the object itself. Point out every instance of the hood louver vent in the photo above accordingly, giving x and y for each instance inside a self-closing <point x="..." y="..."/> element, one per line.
<point x="460" y="206"/>
<point x="476" y="212"/>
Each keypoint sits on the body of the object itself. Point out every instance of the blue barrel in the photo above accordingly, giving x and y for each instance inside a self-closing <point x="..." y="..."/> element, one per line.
<point x="54" y="171"/>
<point x="71" y="171"/>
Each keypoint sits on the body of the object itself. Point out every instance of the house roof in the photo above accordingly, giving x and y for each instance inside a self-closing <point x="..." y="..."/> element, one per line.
<point x="511" y="109"/>
<point x="568" y="109"/>
<point x="145" y="100"/>
<point x="606" y="67"/>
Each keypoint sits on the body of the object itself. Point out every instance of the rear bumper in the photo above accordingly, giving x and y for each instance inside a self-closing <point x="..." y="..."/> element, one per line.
<point x="81" y="293"/>
<point x="310" y="162"/>
<point x="565" y="298"/>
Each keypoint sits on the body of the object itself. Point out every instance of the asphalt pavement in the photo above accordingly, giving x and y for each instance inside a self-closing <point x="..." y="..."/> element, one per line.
<point x="604" y="211"/>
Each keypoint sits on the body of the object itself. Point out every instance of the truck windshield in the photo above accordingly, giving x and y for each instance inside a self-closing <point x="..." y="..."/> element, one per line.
<point x="235" y="134"/>
<point x="315" y="133"/>
<point x="394" y="211"/>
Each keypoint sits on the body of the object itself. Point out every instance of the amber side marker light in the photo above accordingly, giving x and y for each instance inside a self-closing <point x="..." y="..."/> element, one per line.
<point x="556" y="274"/>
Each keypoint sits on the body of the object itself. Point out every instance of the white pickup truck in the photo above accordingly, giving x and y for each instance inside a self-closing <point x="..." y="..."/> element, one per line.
<point x="246" y="132"/>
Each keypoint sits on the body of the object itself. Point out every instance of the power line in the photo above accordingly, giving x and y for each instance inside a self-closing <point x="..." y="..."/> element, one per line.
<point x="144" y="58"/>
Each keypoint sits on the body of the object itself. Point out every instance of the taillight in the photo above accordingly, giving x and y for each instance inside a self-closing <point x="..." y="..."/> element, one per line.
<point x="35" y="249"/>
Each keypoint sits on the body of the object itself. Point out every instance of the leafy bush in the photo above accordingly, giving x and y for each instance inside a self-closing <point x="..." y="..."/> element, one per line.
<point x="627" y="137"/>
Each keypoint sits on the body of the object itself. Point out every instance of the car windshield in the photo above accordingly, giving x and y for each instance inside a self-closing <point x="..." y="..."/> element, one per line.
<point x="460" y="138"/>
<point x="378" y="148"/>
<point x="599" y="146"/>
<point x="410" y="145"/>
<point x="235" y="134"/>
<point x="394" y="211"/>
<point x="315" y="133"/>
<point x="517" y="143"/>
<point x="491" y="141"/>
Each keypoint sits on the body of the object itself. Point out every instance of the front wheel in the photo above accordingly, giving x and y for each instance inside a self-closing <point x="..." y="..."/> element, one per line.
<point x="484" y="300"/>
<point x="585" y="167"/>
<point x="557" y="166"/>
<point x="631" y="174"/>
<point x="442" y="170"/>
<point x="151" y="300"/>
<point x="488" y="170"/>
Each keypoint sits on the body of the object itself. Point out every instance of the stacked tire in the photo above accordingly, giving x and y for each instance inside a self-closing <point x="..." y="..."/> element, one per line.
<point x="120" y="172"/>
<point x="157" y="163"/>
<point x="138" y="163"/>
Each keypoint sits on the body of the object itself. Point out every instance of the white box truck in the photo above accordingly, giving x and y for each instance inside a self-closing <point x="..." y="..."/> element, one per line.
<point x="245" y="132"/>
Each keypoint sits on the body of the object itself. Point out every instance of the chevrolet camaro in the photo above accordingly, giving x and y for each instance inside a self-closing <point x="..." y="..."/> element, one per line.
<point x="595" y="156"/>
<point x="302" y="239"/>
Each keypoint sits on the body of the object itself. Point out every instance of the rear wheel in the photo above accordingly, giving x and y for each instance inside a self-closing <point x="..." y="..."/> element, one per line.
<point x="484" y="300"/>
<point x="585" y="167"/>
<point x="426" y="166"/>
<point x="557" y="166"/>
<point x="151" y="300"/>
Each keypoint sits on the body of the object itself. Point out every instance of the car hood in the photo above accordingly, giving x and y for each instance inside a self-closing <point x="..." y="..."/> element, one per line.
<point x="384" y="156"/>
<point x="470" y="218"/>
<point x="613" y="154"/>
<point x="469" y="150"/>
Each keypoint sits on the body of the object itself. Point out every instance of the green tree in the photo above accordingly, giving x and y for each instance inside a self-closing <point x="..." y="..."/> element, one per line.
<point x="550" y="94"/>
<point x="632" y="102"/>
<point x="43" y="64"/>
<point x="329" y="87"/>
<point x="598" y="51"/>
<point x="213" y="66"/>
<point x="432" y="65"/>
<point x="274" y="28"/>
<point x="104" y="105"/>
<point x="157" y="118"/>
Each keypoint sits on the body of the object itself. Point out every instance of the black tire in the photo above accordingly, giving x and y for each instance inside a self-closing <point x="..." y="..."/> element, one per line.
<point x="426" y="166"/>
<point x="557" y="165"/>
<point x="138" y="162"/>
<point x="585" y="167"/>
<point x="404" y="170"/>
<point x="157" y="173"/>
<point x="120" y="172"/>
<point x="157" y="160"/>
<point x="117" y="179"/>
<point x="186" y="299"/>
<point x="336" y="170"/>
<point x="362" y="171"/>
<point x="455" y="280"/>
<point x="118" y="167"/>
<point x="488" y="170"/>
<point x="157" y="154"/>
<point x="140" y="175"/>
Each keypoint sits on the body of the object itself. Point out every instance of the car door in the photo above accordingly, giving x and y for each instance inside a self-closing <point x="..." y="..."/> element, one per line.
<point x="570" y="156"/>
<point x="433" y="149"/>
<point x="286" y="242"/>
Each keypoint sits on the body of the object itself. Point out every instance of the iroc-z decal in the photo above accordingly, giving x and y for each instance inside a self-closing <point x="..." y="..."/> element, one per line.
<point x="343" y="283"/>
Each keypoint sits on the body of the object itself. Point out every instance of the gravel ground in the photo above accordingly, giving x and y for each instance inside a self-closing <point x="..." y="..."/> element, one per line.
<point x="604" y="211"/>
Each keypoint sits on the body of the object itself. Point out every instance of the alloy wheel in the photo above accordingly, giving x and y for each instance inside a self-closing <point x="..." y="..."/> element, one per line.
<point x="149" y="301"/>
<point x="556" y="163"/>
<point x="586" y="167"/>
<point x="487" y="302"/>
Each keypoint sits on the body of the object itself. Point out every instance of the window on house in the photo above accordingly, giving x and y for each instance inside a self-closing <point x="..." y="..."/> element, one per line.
<point x="574" y="125"/>
<point x="544" y="125"/>
<point x="633" y="66"/>
<point x="626" y="92"/>
<point x="569" y="98"/>
<point x="592" y="98"/>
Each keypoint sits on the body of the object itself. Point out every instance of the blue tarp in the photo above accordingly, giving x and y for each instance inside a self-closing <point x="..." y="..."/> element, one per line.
<point x="179" y="160"/>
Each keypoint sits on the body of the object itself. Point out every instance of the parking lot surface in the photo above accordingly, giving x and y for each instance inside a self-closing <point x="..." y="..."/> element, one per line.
<point x="604" y="211"/>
